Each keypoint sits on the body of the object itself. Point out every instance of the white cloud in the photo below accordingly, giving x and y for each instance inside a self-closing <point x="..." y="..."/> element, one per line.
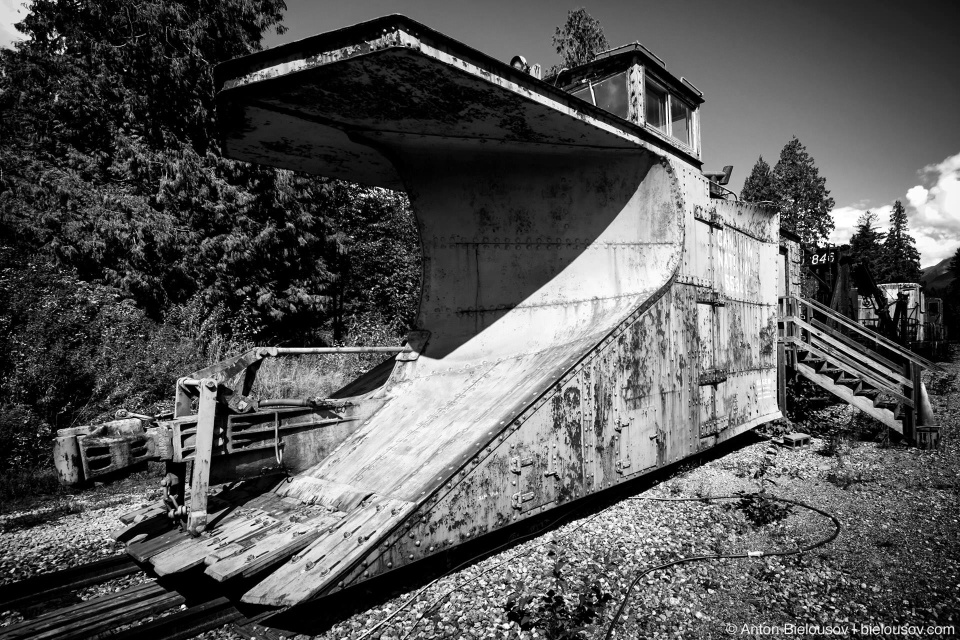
<point x="845" y="220"/>
<point x="11" y="12"/>
<point x="933" y="212"/>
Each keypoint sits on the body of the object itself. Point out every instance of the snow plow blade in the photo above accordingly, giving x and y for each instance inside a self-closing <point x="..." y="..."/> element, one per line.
<point x="588" y="314"/>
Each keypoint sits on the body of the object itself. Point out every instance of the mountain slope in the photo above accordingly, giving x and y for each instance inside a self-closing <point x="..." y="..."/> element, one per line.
<point x="938" y="276"/>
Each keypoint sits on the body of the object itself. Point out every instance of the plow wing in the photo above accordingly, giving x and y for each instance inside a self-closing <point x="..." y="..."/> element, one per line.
<point x="591" y="315"/>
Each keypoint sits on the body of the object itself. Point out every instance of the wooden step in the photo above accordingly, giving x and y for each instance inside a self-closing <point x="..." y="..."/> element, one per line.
<point x="870" y="394"/>
<point x="847" y="380"/>
<point x="895" y="408"/>
<point x="863" y="400"/>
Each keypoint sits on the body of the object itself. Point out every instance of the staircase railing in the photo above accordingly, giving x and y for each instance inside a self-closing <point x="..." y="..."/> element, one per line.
<point x="843" y="343"/>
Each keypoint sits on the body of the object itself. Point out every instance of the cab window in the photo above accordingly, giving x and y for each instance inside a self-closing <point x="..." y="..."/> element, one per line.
<point x="680" y="121"/>
<point x="655" y="105"/>
<point x="611" y="94"/>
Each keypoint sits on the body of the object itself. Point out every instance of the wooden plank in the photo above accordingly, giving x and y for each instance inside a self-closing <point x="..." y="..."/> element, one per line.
<point x="203" y="452"/>
<point x="884" y="387"/>
<point x="859" y="358"/>
<point x="859" y="328"/>
<point x="279" y="545"/>
<point x="855" y="353"/>
<point x="856" y="346"/>
<point x="138" y="515"/>
<point x="331" y="555"/>
<point x="309" y="490"/>
<point x="146" y="549"/>
<point x="154" y="525"/>
<point x="52" y="618"/>
<point x="131" y="612"/>
<point x="90" y="611"/>
<point x="48" y="585"/>
<point x="883" y="415"/>
<point x="192" y="553"/>
<point x="852" y="366"/>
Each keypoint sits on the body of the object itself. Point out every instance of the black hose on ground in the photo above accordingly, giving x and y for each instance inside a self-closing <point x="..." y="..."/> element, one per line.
<point x="721" y="556"/>
<point x="749" y="554"/>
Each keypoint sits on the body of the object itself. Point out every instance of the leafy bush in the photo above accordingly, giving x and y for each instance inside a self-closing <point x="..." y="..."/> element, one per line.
<point x="760" y="507"/>
<point x="564" y="612"/>
<point x="134" y="252"/>
<point x="761" y="510"/>
<point x="73" y="351"/>
<point x="24" y="438"/>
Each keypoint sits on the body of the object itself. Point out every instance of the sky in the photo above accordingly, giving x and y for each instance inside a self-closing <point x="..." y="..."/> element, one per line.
<point x="871" y="88"/>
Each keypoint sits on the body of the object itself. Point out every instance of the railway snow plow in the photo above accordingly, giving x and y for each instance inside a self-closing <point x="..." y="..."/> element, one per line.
<point x="590" y="311"/>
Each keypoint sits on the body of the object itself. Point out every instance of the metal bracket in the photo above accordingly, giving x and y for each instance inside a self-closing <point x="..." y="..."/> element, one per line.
<point x="712" y="377"/>
<point x="711" y="297"/>
<point x="517" y="462"/>
<point x="712" y="427"/>
<point x="710" y="215"/>
<point x="416" y="341"/>
<point x="553" y="465"/>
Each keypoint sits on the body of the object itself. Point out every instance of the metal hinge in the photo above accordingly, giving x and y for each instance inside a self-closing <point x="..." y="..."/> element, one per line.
<point x="517" y="462"/>
<point x="621" y="424"/>
<point x="519" y="498"/>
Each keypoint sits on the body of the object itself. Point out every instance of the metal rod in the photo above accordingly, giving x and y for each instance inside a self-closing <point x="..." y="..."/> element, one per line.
<point x="285" y="351"/>
<point x="287" y="402"/>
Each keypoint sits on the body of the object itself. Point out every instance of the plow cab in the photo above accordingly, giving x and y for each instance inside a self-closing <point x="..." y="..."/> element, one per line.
<point x="592" y="309"/>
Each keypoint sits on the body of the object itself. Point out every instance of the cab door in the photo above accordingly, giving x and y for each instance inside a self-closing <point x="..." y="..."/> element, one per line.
<point x="710" y="317"/>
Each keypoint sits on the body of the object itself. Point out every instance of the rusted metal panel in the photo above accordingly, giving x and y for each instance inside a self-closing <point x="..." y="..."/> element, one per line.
<point x="589" y="307"/>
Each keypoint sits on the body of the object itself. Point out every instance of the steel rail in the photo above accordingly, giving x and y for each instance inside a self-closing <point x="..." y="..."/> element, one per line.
<point x="185" y="624"/>
<point x="111" y="615"/>
<point x="23" y="593"/>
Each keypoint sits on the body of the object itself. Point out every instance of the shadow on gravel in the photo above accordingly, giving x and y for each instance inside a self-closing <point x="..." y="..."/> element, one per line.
<point x="311" y="619"/>
<point x="41" y="516"/>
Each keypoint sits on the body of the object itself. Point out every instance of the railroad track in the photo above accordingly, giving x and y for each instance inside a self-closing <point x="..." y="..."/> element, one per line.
<point x="113" y="613"/>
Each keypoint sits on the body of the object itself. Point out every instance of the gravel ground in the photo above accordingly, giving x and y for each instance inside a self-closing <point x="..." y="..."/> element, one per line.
<point x="58" y="533"/>
<point x="896" y="561"/>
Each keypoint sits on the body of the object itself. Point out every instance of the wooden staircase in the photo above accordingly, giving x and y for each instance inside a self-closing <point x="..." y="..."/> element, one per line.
<point x="857" y="365"/>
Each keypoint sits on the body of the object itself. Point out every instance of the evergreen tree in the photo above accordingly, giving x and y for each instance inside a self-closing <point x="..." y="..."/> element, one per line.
<point x="802" y="196"/>
<point x="129" y="245"/>
<point x="955" y="266"/>
<point x="580" y="38"/>
<point x="901" y="260"/>
<point x="110" y="165"/>
<point x="866" y="244"/>
<point x="951" y="298"/>
<point x="758" y="187"/>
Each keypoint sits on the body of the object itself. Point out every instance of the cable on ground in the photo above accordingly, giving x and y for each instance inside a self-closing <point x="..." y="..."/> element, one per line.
<point x="636" y="580"/>
<point x="721" y="556"/>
